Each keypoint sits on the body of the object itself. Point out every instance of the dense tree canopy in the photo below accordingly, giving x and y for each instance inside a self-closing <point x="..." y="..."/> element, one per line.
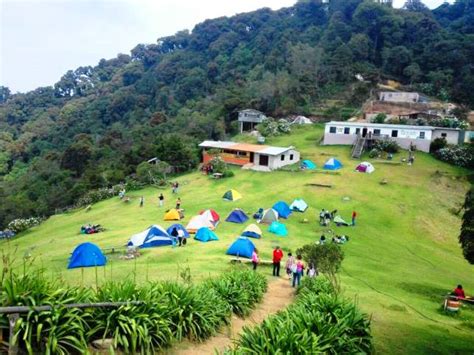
<point x="97" y="124"/>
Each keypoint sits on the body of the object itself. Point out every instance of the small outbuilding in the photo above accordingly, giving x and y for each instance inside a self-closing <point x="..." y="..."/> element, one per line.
<point x="249" y="119"/>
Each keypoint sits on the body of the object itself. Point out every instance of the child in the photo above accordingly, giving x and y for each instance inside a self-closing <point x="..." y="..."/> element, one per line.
<point x="255" y="259"/>
<point x="161" y="199"/>
<point x="312" y="271"/>
<point x="142" y="201"/>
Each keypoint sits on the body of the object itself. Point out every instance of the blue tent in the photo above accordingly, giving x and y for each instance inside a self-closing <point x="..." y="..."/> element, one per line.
<point x="204" y="234"/>
<point x="332" y="164"/>
<point x="308" y="164"/>
<point x="282" y="208"/>
<point x="252" y="231"/>
<point x="237" y="216"/>
<point x="155" y="236"/>
<point x="242" y="247"/>
<point x="278" y="229"/>
<point x="179" y="227"/>
<point x="86" y="255"/>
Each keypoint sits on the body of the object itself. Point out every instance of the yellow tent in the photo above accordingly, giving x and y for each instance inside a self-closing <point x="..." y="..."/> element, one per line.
<point x="232" y="195"/>
<point x="172" y="215"/>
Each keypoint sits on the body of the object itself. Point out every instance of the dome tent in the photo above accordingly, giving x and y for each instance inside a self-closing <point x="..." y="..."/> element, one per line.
<point x="242" y="247"/>
<point x="179" y="227"/>
<point x="237" y="216"/>
<point x="278" y="229"/>
<point x="332" y="164"/>
<point x="198" y="222"/>
<point x="172" y="215"/>
<point x="365" y="167"/>
<point x="269" y="216"/>
<point x="86" y="255"/>
<point x="155" y="236"/>
<point x="205" y="235"/>
<point x="252" y="231"/>
<point x="299" y="205"/>
<point x="283" y="209"/>
<point x="308" y="164"/>
<point x="211" y="215"/>
<point x="232" y="195"/>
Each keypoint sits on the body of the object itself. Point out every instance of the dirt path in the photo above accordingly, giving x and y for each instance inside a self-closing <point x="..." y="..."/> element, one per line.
<point x="279" y="295"/>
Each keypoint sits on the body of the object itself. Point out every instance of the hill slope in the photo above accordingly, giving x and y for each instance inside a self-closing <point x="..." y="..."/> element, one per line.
<point x="403" y="256"/>
<point x="98" y="123"/>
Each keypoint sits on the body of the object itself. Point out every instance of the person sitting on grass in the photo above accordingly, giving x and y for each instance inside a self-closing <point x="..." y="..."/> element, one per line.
<point x="322" y="240"/>
<point x="459" y="292"/>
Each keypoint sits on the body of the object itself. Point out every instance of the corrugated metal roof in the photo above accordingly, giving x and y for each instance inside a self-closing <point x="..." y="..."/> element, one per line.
<point x="274" y="150"/>
<point x="244" y="147"/>
<point x="216" y="144"/>
<point x="384" y="125"/>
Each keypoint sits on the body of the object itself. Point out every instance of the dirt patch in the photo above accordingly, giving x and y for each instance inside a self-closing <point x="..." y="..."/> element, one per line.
<point x="279" y="295"/>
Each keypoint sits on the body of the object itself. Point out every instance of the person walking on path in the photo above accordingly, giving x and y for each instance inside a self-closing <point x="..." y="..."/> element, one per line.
<point x="255" y="259"/>
<point x="289" y="264"/>
<point x="354" y="216"/>
<point x="297" y="270"/>
<point x="142" y="201"/>
<point x="161" y="200"/>
<point x="277" y="256"/>
<point x="178" y="203"/>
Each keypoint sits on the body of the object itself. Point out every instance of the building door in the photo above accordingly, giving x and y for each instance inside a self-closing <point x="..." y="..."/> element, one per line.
<point x="263" y="161"/>
<point x="364" y="132"/>
<point x="251" y="157"/>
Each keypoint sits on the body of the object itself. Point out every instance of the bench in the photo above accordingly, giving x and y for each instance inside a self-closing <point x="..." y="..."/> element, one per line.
<point x="249" y="261"/>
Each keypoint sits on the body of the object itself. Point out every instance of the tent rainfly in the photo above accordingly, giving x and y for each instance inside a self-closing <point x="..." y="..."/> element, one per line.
<point x="299" y="205"/>
<point x="308" y="164"/>
<point x="180" y="228"/>
<point x="332" y="164"/>
<point x="232" y="195"/>
<point x="86" y="255"/>
<point x="283" y="209"/>
<point x="269" y="216"/>
<point x="252" y="231"/>
<point x="237" y="216"/>
<point x="155" y="236"/>
<point x="211" y="216"/>
<point x="172" y="215"/>
<point x="242" y="247"/>
<point x="205" y="235"/>
<point x="198" y="222"/>
<point x="278" y="229"/>
<point x="365" y="167"/>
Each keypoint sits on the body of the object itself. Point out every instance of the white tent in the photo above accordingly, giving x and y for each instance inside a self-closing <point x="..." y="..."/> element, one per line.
<point x="302" y="120"/>
<point x="269" y="216"/>
<point x="365" y="167"/>
<point x="152" y="237"/>
<point x="198" y="222"/>
<point x="299" y="205"/>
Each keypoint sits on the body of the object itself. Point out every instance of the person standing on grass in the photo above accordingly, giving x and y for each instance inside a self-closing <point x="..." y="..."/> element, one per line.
<point x="255" y="259"/>
<point x="161" y="200"/>
<point x="178" y="203"/>
<point x="177" y="187"/>
<point x="289" y="264"/>
<point x="298" y="270"/>
<point x="277" y="256"/>
<point x="142" y="201"/>
<point x="175" y="234"/>
<point x="354" y="216"/>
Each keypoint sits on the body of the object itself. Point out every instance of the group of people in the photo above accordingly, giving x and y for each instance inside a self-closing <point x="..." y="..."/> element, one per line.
<point x="295" y="267"/>
<point x="208" y="169"/>
<point x="178" y="237"/>
<point x="91" y="229"/>
<point x="175" y="187"/>
<point x="325" y="218"/>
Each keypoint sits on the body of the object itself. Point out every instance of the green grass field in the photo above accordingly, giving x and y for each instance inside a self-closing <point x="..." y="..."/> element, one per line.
<point x="403" y="256"/>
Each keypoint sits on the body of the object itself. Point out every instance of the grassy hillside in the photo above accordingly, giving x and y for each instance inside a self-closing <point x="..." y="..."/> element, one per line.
<point x="402" y="258"/>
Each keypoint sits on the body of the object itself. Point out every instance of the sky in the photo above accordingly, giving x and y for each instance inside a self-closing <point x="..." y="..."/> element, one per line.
<point x="42" y="39"/>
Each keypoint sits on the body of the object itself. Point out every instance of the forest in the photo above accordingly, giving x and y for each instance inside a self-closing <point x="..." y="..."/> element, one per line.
<point x="95" y="126"/>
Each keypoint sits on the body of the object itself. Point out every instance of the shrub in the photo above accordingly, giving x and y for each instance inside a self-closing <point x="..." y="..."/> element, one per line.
<point x="270" y="127"/>
<point x="374" y="153"/>
<point x="437" y="144"/>
<point x="380" y="118"/>
<point x="386" y="145"/>
<point x="228" y="173"/>
<point x="318" y="322"/>
<point x="459" y="155"/>
<point x="21" y="224"/>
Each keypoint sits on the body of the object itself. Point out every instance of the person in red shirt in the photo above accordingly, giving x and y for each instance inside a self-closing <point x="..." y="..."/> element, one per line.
<point x="354" y="215"/>
<point x="277" y="256"/>
<point x="459" y="292"/>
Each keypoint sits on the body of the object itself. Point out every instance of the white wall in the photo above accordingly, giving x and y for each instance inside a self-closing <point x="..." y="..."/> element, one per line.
<point x="410" y="133"/>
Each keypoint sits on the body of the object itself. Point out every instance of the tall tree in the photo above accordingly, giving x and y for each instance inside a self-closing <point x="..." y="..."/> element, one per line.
<point x="466" y="238"/>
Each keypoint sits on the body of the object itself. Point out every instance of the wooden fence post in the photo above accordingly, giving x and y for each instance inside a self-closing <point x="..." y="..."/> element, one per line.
<point x="12" y="345"/>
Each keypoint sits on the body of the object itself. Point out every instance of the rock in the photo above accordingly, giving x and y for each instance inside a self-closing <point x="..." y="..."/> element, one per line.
<point x="103" y="344"/>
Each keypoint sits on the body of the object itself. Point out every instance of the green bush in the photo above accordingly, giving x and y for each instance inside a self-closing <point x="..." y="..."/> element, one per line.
<point x="387" y="145"/>
<point x="228" y="173"/>
<point x="459" y="155"/>
<point x="437" y="144"/>
<point x="380" y="118"/>
<point x="318" y="322"/>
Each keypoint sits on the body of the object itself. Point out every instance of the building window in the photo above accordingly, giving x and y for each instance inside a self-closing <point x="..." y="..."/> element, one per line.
<point x="282" y="157"/>
<point x="394" y="133"/>
<point x="332" y="129"/>
<point x="347" y="130"/>
<point x="291" y="156"/>
<point x="357" y="130"/>
<point x="376" y="132"/>
<point x="444" y="135"/>
<point x="422" y="135"/>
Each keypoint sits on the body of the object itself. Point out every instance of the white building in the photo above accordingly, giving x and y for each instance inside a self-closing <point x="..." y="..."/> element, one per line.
<point x="346" y="133"/>
<point x="401" y="96"/>
<point x="252" y="156"/>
